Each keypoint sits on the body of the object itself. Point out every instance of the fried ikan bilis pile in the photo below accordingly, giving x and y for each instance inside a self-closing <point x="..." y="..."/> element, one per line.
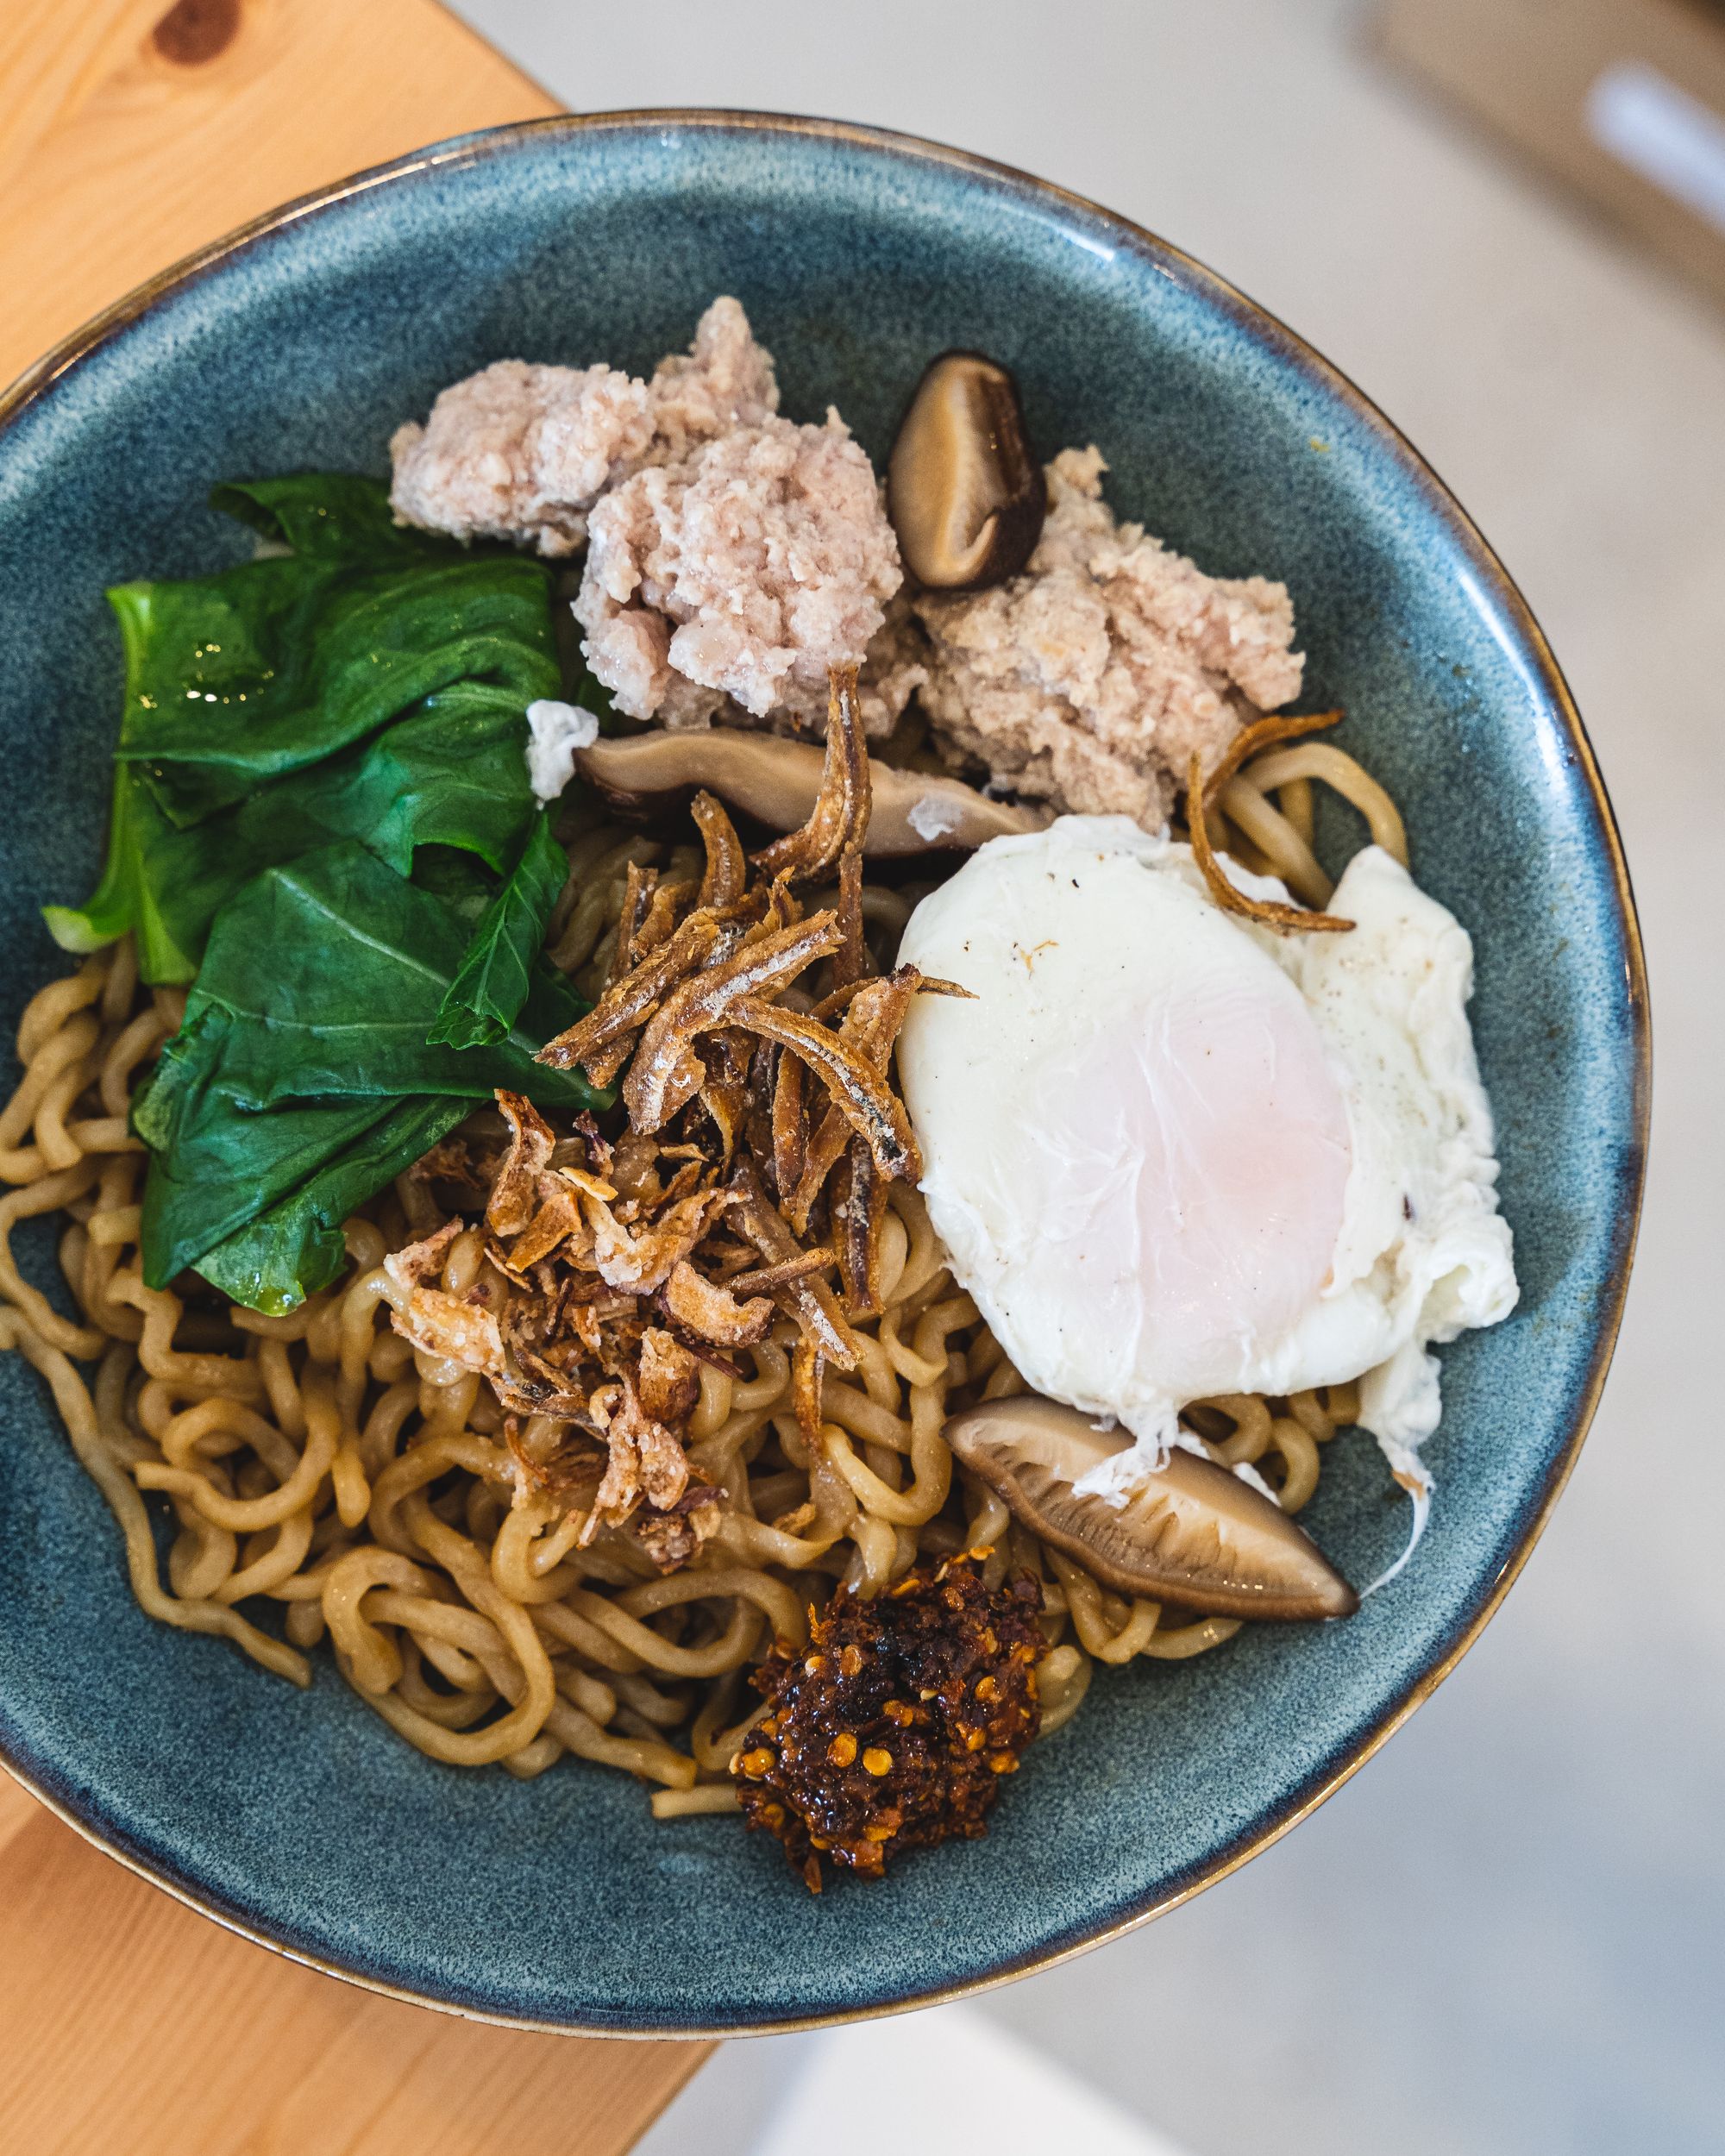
<point x="752" y="1042"/>
<point x="895" y="1728"/>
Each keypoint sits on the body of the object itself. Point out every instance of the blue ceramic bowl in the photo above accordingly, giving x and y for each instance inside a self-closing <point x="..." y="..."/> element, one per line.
<point x="297" y="1818"/>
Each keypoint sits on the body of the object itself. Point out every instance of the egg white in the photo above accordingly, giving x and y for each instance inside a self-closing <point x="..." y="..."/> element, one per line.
<point x="1141" y="1231"/>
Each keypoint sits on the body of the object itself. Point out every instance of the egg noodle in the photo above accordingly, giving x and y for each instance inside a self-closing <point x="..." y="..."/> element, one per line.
<point x="319" y="1462"/>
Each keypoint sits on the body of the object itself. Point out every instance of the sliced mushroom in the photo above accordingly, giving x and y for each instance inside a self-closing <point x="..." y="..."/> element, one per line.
<point x="1192" y="1535"/>
<point x="777" y="781"/>
<point x="965" y="495"/>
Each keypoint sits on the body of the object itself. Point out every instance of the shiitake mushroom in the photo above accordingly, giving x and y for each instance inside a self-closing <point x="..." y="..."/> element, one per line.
<point x="965" y="495"/>
<point x="1192" y="1533"/>
<point x="776" y="780"/>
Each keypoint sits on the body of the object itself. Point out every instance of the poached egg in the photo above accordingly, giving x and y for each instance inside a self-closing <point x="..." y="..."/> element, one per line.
<point x="1174" y="1154"/>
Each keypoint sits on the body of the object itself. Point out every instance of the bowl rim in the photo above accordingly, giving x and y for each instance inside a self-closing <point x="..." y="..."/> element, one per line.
<point x="84" y="1814"/>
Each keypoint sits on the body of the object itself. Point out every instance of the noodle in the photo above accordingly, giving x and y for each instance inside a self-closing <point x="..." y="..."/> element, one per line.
<point x="319" y="1462"/>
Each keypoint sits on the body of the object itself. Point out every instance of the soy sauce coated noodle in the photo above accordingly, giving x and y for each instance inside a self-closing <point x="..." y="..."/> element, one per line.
<point x="320" y="1463"/>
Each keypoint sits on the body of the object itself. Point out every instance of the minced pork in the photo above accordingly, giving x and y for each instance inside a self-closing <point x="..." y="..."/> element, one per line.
<point x="733" y="556"/>
<point x="1088" y="679"/>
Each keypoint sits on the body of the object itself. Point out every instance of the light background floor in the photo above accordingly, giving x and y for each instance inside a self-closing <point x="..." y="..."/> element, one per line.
<point x="1506" y="1937"/>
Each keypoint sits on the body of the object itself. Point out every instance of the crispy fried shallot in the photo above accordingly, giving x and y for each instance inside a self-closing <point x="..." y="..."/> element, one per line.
<point x="515" y="1194"/>
<point x="558" y="1220"/>
<point x="643" y="1262"/>
<point x="448" y="1325"/>
<point x="415" y="1262"/>
<point x="644" y="1459"/>
<point x="551" y="1461"/>
<point x="455" y="1160"/>
<point x="669" y="1380"/>
<point x="711" y="1312"/>
<point x="671" y="1535"/>
<point x="1263" y="733"/>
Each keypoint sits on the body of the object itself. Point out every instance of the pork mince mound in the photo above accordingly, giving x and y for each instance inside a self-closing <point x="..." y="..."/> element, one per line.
<point x="1089" y="679"/>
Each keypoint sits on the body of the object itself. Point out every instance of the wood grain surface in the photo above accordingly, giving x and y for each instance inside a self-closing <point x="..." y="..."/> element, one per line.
<point x="131" y="133"/>
<point x="129" y="2026"/>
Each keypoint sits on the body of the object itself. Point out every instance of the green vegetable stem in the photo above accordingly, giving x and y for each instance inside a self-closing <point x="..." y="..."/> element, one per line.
<point x="485" y="997"/>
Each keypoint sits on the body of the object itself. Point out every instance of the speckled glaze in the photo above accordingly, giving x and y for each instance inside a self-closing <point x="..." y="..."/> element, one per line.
<point x="298" y="1817"/>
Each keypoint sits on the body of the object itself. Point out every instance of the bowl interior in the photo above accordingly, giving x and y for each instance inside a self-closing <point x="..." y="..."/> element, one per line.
<point x="559" y="1901"/>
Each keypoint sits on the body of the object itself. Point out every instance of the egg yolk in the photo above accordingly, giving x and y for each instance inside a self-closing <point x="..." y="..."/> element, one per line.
<point x="1194" y="1158"/>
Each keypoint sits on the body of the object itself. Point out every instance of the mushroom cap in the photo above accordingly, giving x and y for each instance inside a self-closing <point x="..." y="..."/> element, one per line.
<point x="1190" y="1532"/>
<point x="776" y="780"/>
<point x="965" y="495"/>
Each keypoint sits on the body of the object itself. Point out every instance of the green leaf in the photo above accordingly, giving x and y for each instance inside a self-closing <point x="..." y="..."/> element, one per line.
<point x="306" y="1027"/>
<point x="485" y="997"/>
<point x="239" y="678"/>
<point x="154" y="884"/>
<point x="328" y="516"/>
<point x="326" y="975"/>
<point x="296" y="1247"/>
<point x="372" y="685"/>
<point x="224" y="1166"/>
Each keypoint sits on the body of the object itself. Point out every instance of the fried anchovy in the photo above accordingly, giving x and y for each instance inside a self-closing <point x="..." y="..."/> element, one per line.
<point x="662" y="916"/>
<point x="840" y="815"/>
<point x="810" y="1301"/>
<point x="853" y="961"/>
<point x="874" y="1013"/>
<point x="768" y="1280"/>
<point x="1250" y="741"/>
<point x="859" y="1091"/>
<point x="859" y="1213"/>
<point x="627" y="1005"/>
<point x="638" y="886"/>
<point x="710" y="1000"/>
<point x="726" y="875"/>
<point x="790" y="1124"/>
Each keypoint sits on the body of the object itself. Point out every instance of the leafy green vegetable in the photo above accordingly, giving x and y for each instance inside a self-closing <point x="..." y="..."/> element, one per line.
<point x="327" y="517"/>
<point x="373" y="685"/>
<point x="306" y="1030"/>
<point x="485" y="997"/>
<point x="239" y="678"/>
<point x="176" y="897"/>
<point x="322" y="811"/>
<point x="296" y="1247"/>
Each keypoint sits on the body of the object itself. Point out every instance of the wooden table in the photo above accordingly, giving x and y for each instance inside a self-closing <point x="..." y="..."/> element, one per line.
<point x="129" y="2026"/>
